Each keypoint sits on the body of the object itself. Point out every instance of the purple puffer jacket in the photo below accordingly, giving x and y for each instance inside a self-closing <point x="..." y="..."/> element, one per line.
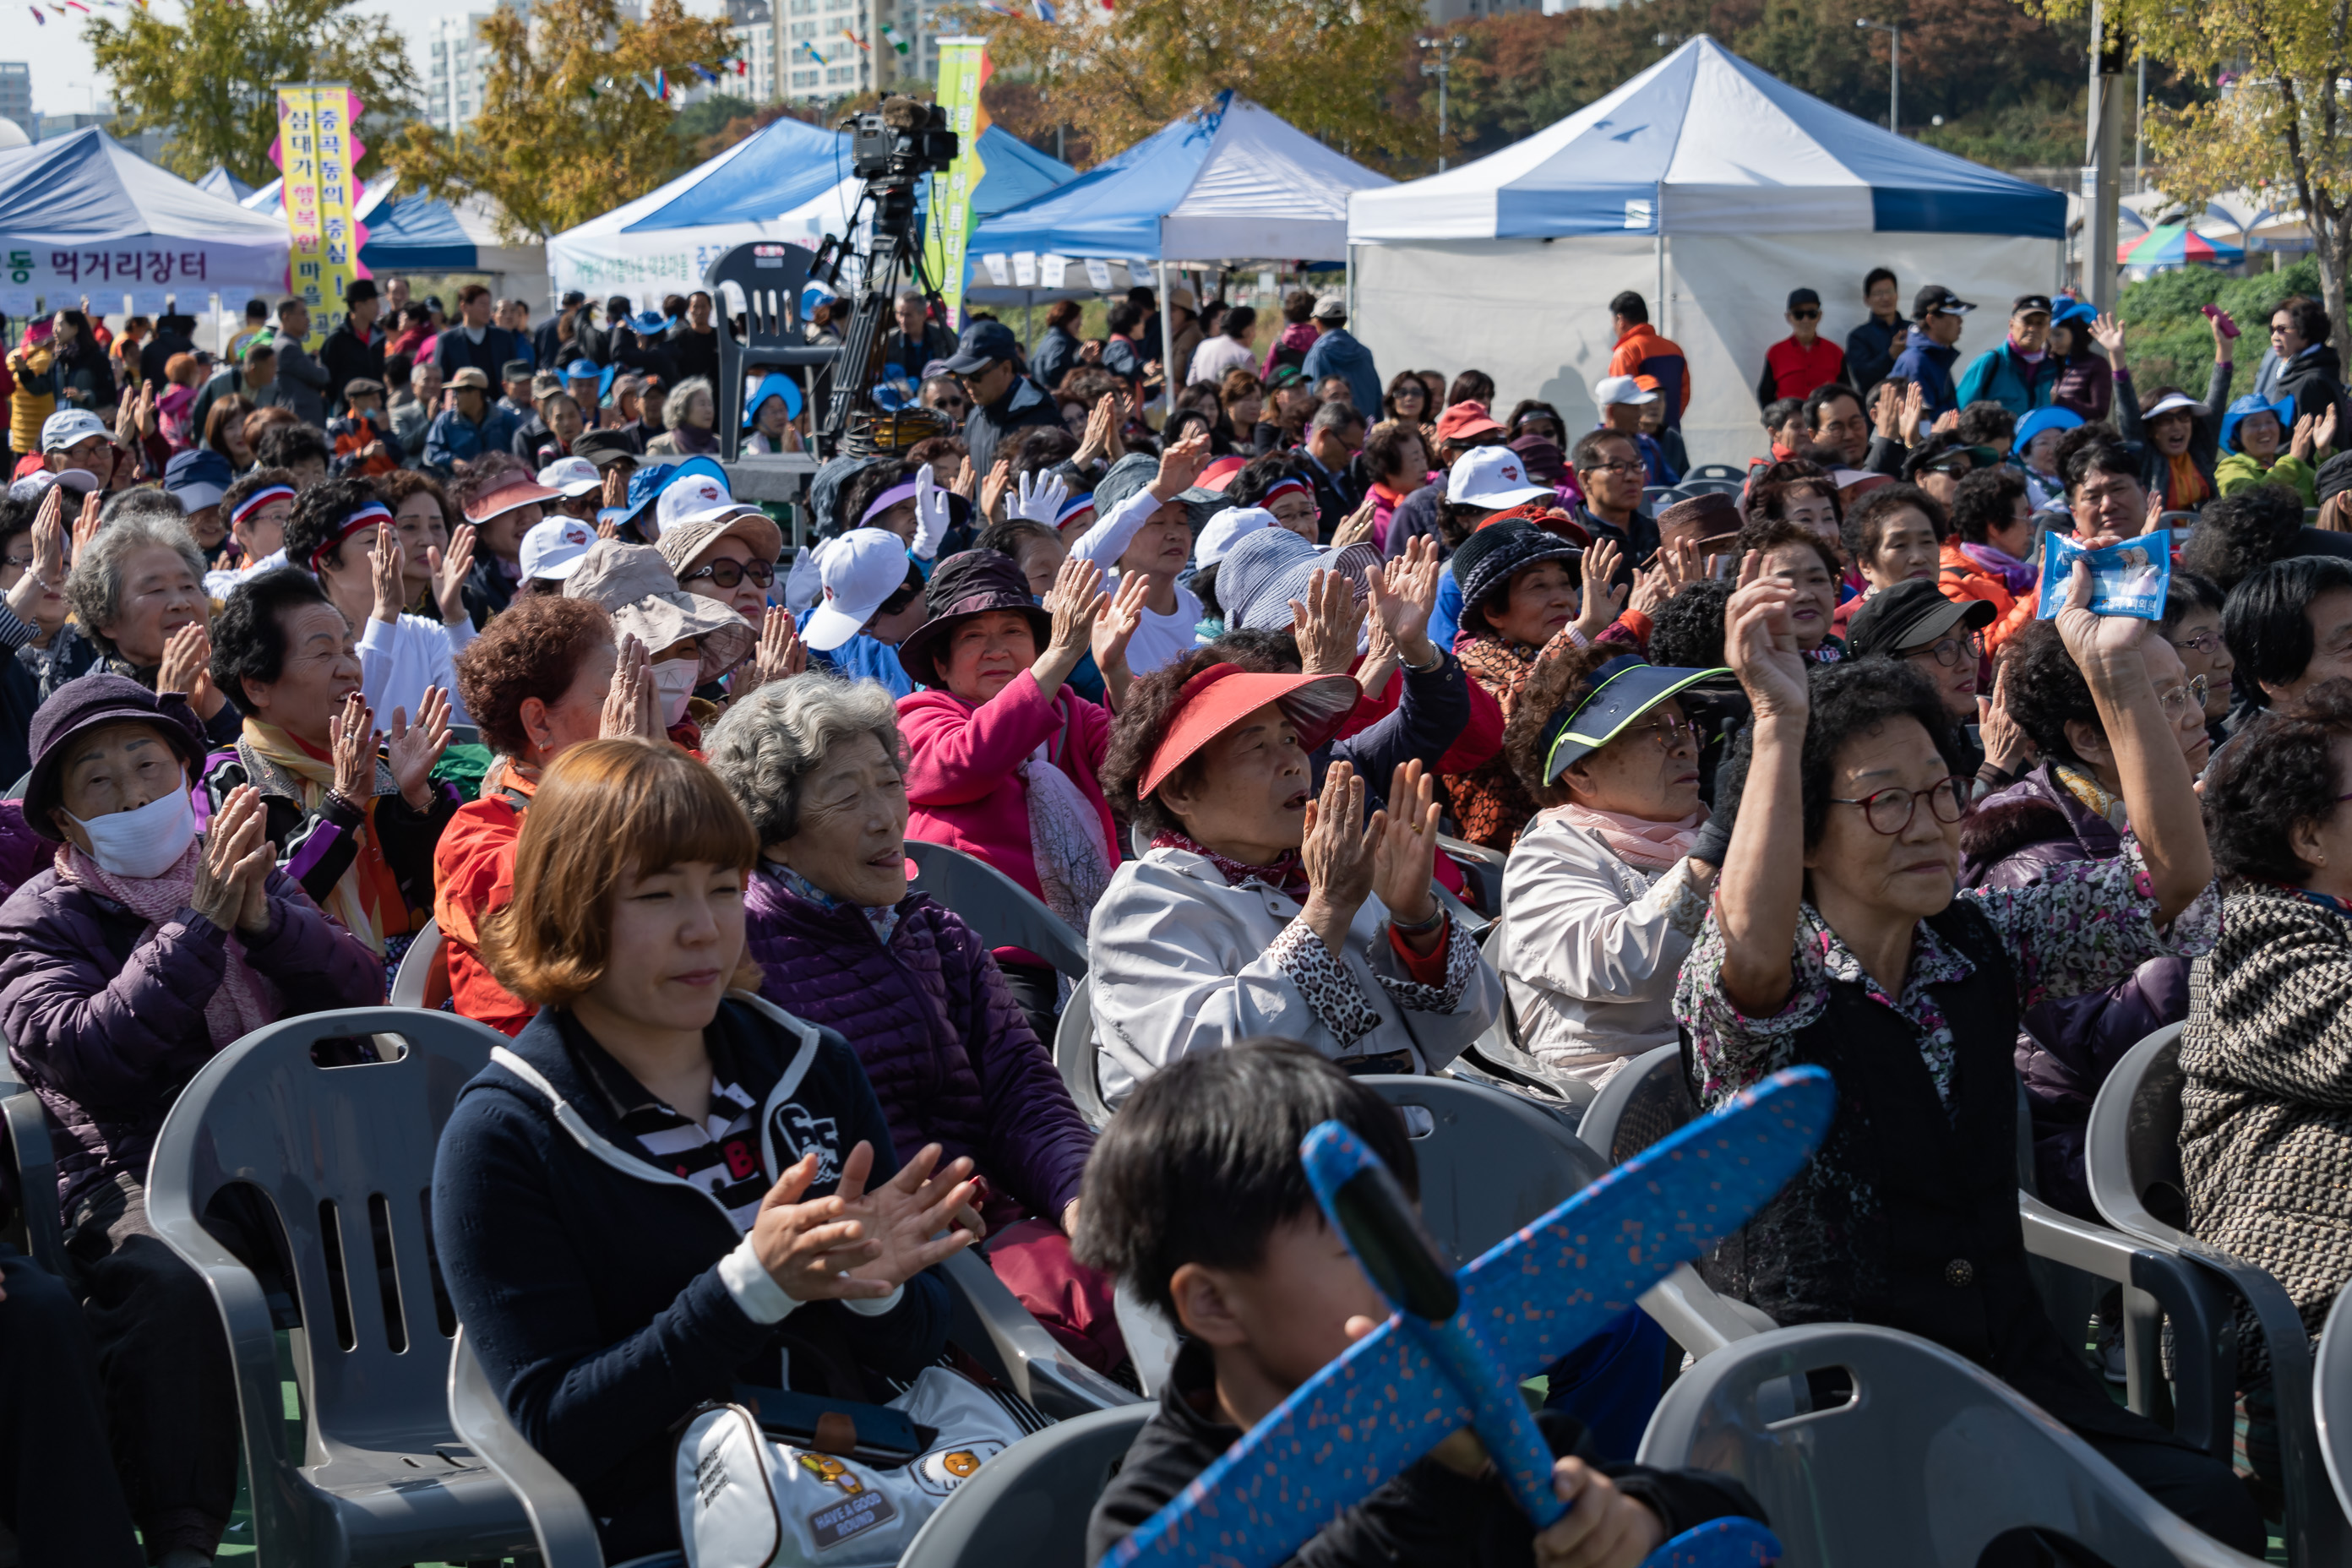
<point x="108" y="1031"/>
<point x="951" y="1059"/>
<point x="2067" y="1048"/>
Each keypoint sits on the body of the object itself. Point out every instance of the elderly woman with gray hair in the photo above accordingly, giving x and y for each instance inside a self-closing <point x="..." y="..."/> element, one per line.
<point x="819" y="767"/>
<point x="138" y="595"/>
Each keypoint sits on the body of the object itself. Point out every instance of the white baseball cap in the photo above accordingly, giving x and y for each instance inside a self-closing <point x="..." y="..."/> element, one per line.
<point x="68" y="428"/>
<point x="1227" y="529"/>
<point x="575" y="477"/>
<point x="1495" y="477"/>
<point x="694" y="498"/>
<point x="36" y="485"/>
<point x="1612" y="389"/>
<point x="555" y="548"/>
<point x="857" y="571"/>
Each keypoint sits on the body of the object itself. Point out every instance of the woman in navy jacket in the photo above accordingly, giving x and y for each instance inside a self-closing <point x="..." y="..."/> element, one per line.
<point x="666" y="1186"/>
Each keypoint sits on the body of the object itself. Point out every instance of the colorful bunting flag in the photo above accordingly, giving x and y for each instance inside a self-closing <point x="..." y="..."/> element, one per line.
<point x="707" y="74"/>
<point x="856" y="40"/>
<point x="891" y="33"/>
<point x="1046" y="12"/>
<point x="812" y="54"/>
<point x="36" y="10"/>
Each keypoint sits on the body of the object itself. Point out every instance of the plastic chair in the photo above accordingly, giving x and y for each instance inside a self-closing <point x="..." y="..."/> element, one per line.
<point x="767" y="275"/>
<point x="422" y="978"/>
<point x="1717" y="471"/>
<point x="1648" y="1099"/>
<point x="562" y="1529"/>
<point x="1029" y="1505"/>
<point x="1003" y="911"/>
<point x="2132" y="1157"/>
<point x="1074" y="1056"/>
<point x="1152" y="1340"/>
<point x="1929" y="1461"/>
<point x="345" y="1157"/>
<point x="1482" y="868"/>
<point x="35" y="1165"/>
<point x="2331" y="1398"/>
<point x="1692" y="485"/>
<point x="988" y="1321"/>
<point x="1655" y="495"/>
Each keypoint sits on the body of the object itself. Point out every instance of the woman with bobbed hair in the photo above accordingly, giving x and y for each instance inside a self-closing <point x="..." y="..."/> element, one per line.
<point x="1987" y="548"/>
<point x="548" y="674"/>
<point x="668" y="1186"/>
<point x="1266" y="906"/>
<point x="2265" y="1123"/>
<point x="138" y="595"/>
<point x="1835" y="941"/>
<point x="818" y="765"/>
<point x="1893" y="534"/>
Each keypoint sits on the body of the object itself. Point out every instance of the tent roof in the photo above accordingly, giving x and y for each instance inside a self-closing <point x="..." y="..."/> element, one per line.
<point x="86" y="188"/>
<point x="416" y="233"/>
<point x="220" y="182"/>
<point x="1230" y="182"/>
<point x="1723" y="147"/>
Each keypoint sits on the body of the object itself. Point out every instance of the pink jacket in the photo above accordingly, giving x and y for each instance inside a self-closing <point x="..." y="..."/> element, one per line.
<point x="962" y="763"/>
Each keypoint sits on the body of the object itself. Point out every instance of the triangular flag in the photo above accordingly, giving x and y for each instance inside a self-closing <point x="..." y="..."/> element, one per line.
<point x="896" y="42"/>
<point x="855" y="39"/>
<point x="707" y="74"/>
<point x="36" y="10"/>
<point x="812" y="54"/>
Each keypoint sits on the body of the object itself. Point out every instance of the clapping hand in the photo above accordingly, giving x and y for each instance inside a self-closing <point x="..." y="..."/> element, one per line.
<point x="616" y="488"/>
<point x="1356" y="528"/>
<point x="902" y="1219"/>
<point x="1602" y="597"/>
<point x="39" y="597"/>
<point x="2007" y="746"/>
<point x="1340" y="856"/>
<point x="629" y="708"/>
<point x="781" y="654"/>
<point x="233" y="871"/>
<point x="1076" y="601"/>
<point x="2325" y="436"/>
<point x="86" y="525"/>
<point x="1404" y="595"/>
<point x="449" y="569"/>
<point x="415" y="748"/>
<point x="387" y="564"/>
<point x="1915" y="408"/>
<point x="1326" y="623"/>
<point x="1406" y="856"/>
<point x="993" y="488"/>
<point x="351" y="741"/>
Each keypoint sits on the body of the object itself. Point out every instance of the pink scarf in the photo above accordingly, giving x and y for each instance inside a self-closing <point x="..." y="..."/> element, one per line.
<point x="1287" y="875"/>
<point x="1645" y="845"/>
<point x="244" y="1001"/>
<point x="2015" y="575"/>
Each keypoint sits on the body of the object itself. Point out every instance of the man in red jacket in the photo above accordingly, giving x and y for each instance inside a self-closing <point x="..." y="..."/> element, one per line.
<point x="1641" y="352"/>
<point x="1804" y="359"/>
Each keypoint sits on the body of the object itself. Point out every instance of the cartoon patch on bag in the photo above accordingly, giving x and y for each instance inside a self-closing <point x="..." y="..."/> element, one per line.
<point x="943" y="1470"/>
<point x="826" y="1467"/>
<point x="853" y="1515"/>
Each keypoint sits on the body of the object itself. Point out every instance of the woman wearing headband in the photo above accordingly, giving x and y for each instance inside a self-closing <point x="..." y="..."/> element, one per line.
<point x="346" y="537"/>
<point x="1603" y="895"/>
<point x="1262" y="907"/>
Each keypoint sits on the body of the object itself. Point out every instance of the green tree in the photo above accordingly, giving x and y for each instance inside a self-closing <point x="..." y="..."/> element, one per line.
<point x="2280" y="124"/>
<point x="209" y="80"/>
<point x="566" y="132"/>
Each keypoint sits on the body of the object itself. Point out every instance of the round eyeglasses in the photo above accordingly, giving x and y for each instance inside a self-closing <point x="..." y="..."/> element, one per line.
<point x="1889" y="811"/>
<point x="2184" y="700"/>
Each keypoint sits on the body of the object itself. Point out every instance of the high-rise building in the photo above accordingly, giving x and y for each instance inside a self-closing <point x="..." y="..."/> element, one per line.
<point x="753" y="24"/>
<point x="16" y="95"/>
<point x="456" y="65"/>
<point x="832" y="48"/>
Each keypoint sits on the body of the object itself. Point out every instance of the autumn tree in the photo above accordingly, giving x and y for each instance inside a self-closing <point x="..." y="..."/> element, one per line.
<point x="208" y="80"/>
<point x="1115" y="77"/>
<point x="2281" y="125"/>
<point x="566" y="131"/>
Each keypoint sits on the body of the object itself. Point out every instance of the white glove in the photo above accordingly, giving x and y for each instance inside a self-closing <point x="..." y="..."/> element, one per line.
<point x="930" y="514"/>
<point x="1042" y="503"/>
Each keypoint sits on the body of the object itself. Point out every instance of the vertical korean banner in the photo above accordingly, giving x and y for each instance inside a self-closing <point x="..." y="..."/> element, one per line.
<point x="963" y="70"/>
<point x="315" y="152"/>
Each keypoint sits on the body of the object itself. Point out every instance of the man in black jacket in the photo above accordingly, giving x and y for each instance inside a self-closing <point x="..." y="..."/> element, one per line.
<point x="474" y="342"/>
<point x="988" y="362"/>
<point x="171" y="338"/>
<point x="353" y="350"/>
<point x="2309" y="369"/>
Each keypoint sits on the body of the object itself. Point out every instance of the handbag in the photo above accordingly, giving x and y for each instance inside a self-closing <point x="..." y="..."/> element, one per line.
<point x="753" y="1497"/>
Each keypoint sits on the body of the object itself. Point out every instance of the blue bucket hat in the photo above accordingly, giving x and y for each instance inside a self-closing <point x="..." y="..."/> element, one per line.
<point x="773" y="384"/>
<point x="582" y="370"/>
<point x="649" y="322"/>
<point x="2250" y="403"/>
<point x="2072" y="313"/>
<point x="2043" y="419"/>
<point x="1620" y="692"/>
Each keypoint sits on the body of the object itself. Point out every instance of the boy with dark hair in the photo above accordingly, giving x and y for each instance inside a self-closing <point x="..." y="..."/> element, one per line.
<point x="1197" y="1199"/>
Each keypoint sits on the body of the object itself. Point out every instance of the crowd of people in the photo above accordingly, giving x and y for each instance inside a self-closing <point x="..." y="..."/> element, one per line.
<point x="461" y="627"/>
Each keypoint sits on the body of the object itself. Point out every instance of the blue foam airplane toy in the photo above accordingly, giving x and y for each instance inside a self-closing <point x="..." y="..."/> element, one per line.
<point x="1455" y="1350"/>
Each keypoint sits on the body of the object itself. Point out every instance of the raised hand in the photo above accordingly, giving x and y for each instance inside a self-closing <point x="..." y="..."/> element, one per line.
<point x="1180" y="466"/>
<point x="2154" y="520"/>
<point x="2108" y="333"/>
<point x="1100" y="425"/>
<point x="1602" y="598"/>
<point x="1405" y="858"/>
<point x="1326" y="625"/>
<point x="930" y="514"/>
<point x="1915" y="408"/>
<point x="415" y="747"/>
<point x="1115" y="629"/>
<point x="902" y="1219"/>
<point x="2006" y="744"/>
<point x="1356" y="528"/>
<point x="38" y="596"/>
<point x="1340" y="857"/>
<point x="616" y="489"/>
<point x="629" y="708"/>
<point x="1759" y="642"/>
<point x="386" y="562"/>
<point x="185" y="653"/>
<point x="1947" y="422"/>
<point x="1076" y="601"/>
<point x="1403" y="595"/>
<point x="1039" y="498"/>
<point x="2325" y="436"/>
<point x="1886" y="411"/>
<point x="234" y="837"/>
<point x="86" y="526"/>
<point x="781" y="654"/>
<point x="351" y="741"/>
<point x="991" y="489"/>
<point x="449" y="569"/>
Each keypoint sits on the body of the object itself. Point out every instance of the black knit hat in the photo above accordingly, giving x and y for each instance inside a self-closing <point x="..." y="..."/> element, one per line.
<point x="86" y="702"/>
<point x="2335" y="477"/>
<point x="1485" y="563"/>
<point x="972" y="583"/>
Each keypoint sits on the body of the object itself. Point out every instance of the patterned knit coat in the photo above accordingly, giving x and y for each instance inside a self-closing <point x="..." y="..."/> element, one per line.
<point x="2266" y="1109"/>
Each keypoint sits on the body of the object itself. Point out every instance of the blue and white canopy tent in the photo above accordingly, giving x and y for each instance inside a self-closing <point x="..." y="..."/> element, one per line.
<point x="223" y="183"/>
<point x="1710" y="187"/>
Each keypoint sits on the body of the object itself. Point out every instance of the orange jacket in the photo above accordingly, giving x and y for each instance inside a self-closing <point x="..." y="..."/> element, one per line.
<point x="1962" y="579"/>
<point x="473" y="877"/>
<point x="1641" y="352"/>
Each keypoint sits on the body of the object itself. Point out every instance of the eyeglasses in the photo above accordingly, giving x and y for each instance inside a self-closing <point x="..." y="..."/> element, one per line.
<point x="1805" y="315"/>
<point x="1670" y="732"/>
<point x="730" y="574"/>
<point x="2182" y="700"/>
<point x="2205" y="642"/>
<point x="955" y="403"/>
<point x="1952" y="651"/>
<point x="1632" y="467"/>
<point x="1889" y="811"/>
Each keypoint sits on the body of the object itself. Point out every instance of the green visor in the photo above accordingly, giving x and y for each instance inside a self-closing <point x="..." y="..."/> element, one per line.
<point x="1622" y="691"/>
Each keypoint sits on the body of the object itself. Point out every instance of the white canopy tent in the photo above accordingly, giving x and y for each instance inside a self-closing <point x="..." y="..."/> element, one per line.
<point x="1712" y="189"/>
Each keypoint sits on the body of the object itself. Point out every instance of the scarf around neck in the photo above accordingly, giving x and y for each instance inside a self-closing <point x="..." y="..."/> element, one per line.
<point x="2015" y="575"/>
<point x="2094" y="795"/>
<point x="1641" y="843"/>
<point x="1285" y="875"/>
<point x="366" y="901"/>
<point x="243" y="1001"/>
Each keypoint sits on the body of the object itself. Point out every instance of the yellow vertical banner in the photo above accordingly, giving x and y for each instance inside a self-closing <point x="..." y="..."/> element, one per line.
<point x="315" y="152"/>
<point x="963" y="70"/>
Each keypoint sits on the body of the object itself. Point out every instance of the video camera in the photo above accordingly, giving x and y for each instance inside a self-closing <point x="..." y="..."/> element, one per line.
<point x="900" y="141"/>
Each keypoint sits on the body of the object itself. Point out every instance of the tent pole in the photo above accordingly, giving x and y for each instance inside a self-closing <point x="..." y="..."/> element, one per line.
<point x="1666" y="328"/>
<point x="1167" y="367"/>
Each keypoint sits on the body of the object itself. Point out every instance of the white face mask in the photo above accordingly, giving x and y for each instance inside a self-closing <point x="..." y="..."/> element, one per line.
<point x="144" y="841"/>
<point x="676" y="681"/>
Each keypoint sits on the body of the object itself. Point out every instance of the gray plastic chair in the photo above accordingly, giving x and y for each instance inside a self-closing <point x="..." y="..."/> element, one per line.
<point x="1692" y="486"/>
<point x="1647" y="1099"/>
<point x="1001" y="911"/>
<point x="1490" y="1162"/>
<point x="1482" y="866"/>
<point x="1028" y="1506"/>
<point x="2132" y="1157"/>
<point x="986" y="1319"/>
<point x="35" y="1163"/>
<point x="1716" y="471"/>
<point x="414" y="983"/>
<point x="1930" y="1460"/>
<point x="344" y="1156"/>
<point x="2331" y="1398"/>
<point x="1073" y="1057"/>
<point x="562" y="1529"/>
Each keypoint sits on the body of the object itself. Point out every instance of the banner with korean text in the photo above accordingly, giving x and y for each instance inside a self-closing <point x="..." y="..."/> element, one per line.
<point x="317" y="148"/>
<point x="963" y="70"/>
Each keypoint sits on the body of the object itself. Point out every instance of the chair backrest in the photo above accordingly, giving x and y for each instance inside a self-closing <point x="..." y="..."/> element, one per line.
<point x="35" y="1173"/>
<point x="1646" y="1099"/>
<point x="559" y="1521"/>
<point x="758" y="287"/>
<point x="1716" y="471"/>
<point x="1489" y="1161"/>
<point x="344" y="1156"/>
<point x="2331" y="1398"/>
<point x="2132" y="1152"/>
<point x="1029" y="1505"/>
<point x="1710" y="487"/>
<point x="1074" y="1056"/>
<point x="1929" y="1461"/>
<point x="1001" y="911"/>
<point x="422" y="978"/>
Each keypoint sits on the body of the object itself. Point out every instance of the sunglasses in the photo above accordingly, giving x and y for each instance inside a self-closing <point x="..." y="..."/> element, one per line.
<point x="955" y="403"/>
<point x="1805" y="315"/>
<point x="730" y="574"/>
